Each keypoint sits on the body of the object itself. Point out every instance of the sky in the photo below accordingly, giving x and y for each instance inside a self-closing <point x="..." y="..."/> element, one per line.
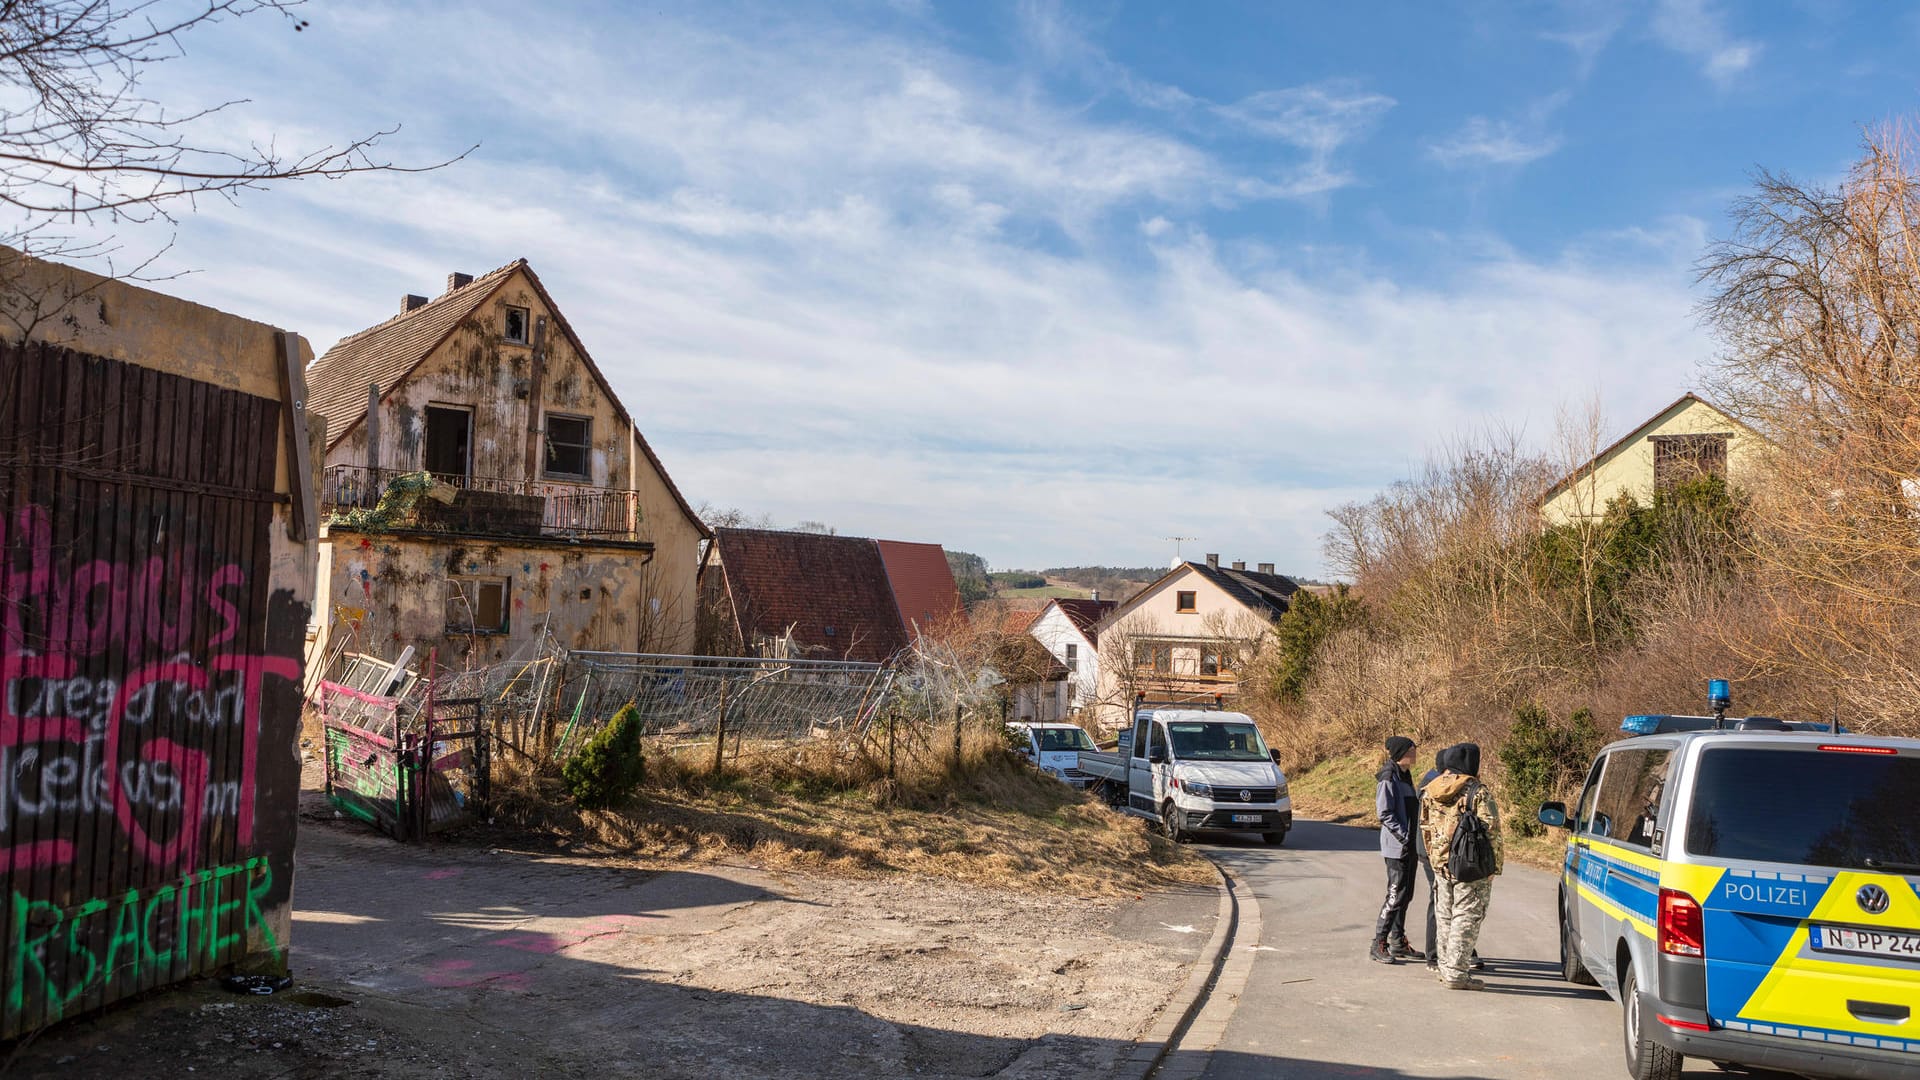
<point x="1051" y="282"/>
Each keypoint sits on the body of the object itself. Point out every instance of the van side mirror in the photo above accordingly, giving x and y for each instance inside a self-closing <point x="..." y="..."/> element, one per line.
<point x="1554" y="814"/>
<point x="1274" y="756"/>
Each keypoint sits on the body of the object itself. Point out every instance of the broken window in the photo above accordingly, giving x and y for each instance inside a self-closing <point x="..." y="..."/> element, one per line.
<point x="477" y="605"/>
<point x="1680" y="458"/>
<point x="449" y="443"/>
<point x="516" y="326"/>
<point x="569" y="447"/>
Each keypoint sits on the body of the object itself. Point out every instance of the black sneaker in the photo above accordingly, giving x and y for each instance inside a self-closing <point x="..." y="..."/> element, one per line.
<point x="1476" y="964"/>
<point x="1379" y="954"/>
<point x="1404" y="950"/>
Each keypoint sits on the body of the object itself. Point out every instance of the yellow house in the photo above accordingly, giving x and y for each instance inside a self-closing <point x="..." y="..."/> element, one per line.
<point x="1187" y="637"/>
<point x="1690" y="437"/>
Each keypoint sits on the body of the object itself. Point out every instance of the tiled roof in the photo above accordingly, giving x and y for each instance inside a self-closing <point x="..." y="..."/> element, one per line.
<point x="1017" y="620"/>
<point x="1086" y="614"/>
<point x="831" y="590"/>
<point x="1262" y="593"/>
<point x="922" y="583"/>
<point x="384" y="355"/>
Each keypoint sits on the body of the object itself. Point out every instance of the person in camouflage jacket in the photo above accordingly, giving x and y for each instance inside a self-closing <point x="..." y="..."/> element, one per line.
<point x="1460" y="907"/>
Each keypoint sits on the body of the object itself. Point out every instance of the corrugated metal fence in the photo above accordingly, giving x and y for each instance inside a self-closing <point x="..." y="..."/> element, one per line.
<point x="144" y="834"/>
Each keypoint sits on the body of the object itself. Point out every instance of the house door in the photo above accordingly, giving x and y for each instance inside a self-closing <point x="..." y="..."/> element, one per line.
<point x="449" y="448"/>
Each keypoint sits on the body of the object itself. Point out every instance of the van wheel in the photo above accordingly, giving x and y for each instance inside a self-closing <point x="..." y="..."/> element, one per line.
<point x="1571" y="969"/>
<point x="1646" y="1059"/>
<point x="1275" y="839"/>
<point x="1169" y="816"/>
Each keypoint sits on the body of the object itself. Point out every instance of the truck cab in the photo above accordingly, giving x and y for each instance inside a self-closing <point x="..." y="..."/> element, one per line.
<point x="1199" y="771"/>
<point x="1054" y="749"/>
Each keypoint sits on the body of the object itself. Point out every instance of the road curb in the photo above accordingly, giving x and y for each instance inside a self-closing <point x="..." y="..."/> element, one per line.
<point x="1151" y="1048"/>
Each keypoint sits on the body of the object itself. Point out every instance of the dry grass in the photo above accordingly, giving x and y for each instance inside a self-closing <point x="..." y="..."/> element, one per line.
<point x="988" y="820"/>
<point x="1341" y="790"/>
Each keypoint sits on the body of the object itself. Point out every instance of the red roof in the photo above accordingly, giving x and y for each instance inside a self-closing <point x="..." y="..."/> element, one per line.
<point x="832" y="591"/>
<point x="1086" y="614"/>
<point x="922" y="583"/>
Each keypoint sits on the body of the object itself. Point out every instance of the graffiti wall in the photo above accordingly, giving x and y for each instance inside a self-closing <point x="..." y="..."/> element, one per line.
<point x="150" y="642"/>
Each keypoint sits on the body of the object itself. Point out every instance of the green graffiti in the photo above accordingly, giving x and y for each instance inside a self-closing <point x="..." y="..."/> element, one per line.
<point x="197" y="923"/>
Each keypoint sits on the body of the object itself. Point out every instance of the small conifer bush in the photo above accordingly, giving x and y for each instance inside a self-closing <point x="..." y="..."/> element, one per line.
<point x="610" y="766"/>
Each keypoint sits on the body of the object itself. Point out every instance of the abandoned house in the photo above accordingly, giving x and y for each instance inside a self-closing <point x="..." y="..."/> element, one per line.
<point x="811" y="595"/>
<point x="547" y="510"/>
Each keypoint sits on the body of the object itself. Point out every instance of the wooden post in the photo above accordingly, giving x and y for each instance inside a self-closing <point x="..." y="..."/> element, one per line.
<point x="956" y="734"/>
<point x="720" y="729"/>
<point x="890" y="731"/>
<point x="304" y="521"/>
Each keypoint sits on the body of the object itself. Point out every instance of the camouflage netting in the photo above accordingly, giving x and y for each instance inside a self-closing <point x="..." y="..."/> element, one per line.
<point x="395" y="506"/>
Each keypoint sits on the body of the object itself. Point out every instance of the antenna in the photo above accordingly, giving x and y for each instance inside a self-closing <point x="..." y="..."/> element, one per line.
<point x="1177" y="540"/>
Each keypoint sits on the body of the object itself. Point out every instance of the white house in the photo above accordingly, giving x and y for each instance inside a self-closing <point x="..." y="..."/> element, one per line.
<point x="1065" y="628"/>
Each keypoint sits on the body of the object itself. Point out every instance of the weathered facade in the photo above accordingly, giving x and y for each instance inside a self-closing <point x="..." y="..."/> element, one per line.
<point x="552" y="514"/>
<point x="1187" y="637"/>
<point x="156" y="575"/>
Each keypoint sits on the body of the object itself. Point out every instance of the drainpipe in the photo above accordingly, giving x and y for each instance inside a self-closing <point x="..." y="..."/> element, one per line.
<point x="536" y="390"/>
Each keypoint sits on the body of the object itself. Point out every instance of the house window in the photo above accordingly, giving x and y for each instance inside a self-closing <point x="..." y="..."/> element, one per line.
<point x="1186" y="600"/>
<point x="1150" y="656"/>
<point x="569" y="447"/>
<point x="449" y="443"/>
<point x="516" y="326"/>
<point x="1073" y="657"/>
<point x="477" y="605"/>
<point x="1215" y="660"/>
<point x="1680" y="458"/>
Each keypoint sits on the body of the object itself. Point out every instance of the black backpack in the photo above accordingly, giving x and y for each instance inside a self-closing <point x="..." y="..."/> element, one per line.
<point x="1470" y="857"/>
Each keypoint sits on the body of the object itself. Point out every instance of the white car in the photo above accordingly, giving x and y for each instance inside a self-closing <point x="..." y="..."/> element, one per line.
<point x="1055" y="749"/>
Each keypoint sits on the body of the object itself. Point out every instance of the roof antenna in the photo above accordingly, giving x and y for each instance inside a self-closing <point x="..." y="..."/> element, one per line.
<point x="1720" y="699"/>
<point x="1177" y="540"/>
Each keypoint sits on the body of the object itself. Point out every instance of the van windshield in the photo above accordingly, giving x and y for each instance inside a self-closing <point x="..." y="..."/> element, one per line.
<point x="1807" y="807"/>
<point x="1216" y="740"/>
<point x="1063" y="739"/>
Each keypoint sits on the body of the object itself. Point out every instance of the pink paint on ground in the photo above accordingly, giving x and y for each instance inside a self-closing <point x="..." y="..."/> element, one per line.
<point x="442" y="874"/>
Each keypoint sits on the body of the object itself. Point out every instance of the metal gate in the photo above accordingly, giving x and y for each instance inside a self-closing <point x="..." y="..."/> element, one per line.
<point x="149" y="683"/>
<point x="409" y="779"/>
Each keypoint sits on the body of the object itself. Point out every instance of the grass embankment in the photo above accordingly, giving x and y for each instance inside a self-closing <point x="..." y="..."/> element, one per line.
<point x="990" y="820"/>
<point x="1341" y="790"/>
<point x="1044" y="592"/>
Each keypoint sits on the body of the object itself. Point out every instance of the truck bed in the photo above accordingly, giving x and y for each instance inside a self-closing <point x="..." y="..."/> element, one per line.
<point x="1105" y="766"/>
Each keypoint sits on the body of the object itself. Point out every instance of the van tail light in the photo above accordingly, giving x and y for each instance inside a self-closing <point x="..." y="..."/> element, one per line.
<point x="1682" y="925"/>
<point x="1835" y="748"/>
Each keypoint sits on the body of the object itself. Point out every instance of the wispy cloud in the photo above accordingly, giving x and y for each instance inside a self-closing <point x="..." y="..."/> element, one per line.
<point x="1586" y="28"/>
<point x="1486" y="141"/>
<point x="1698" y="29"/>
<point x="855" y="277"/>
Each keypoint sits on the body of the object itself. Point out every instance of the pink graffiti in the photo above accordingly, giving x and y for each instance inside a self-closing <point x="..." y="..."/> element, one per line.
<point x="456" y="974"/>
<point x="442" y="874"/>
<point x="70" y="729"/>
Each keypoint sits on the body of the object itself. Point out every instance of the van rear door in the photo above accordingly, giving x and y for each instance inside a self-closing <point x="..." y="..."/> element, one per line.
<point x="1812" y="929"/>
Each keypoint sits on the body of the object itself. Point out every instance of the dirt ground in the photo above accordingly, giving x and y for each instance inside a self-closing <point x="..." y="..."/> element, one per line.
<point x="477" y="958"/>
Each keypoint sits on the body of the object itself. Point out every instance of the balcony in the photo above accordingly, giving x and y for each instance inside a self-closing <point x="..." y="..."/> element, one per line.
<point x="479" y="505"/>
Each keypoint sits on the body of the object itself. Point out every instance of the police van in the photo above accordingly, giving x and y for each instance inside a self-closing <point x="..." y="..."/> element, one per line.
<point x="1749" y="891"/>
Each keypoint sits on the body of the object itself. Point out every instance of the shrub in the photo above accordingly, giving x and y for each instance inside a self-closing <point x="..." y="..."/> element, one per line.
<point x="1309" y="621"/>
<point x="610" y="766"/>
<point x="1542" y="758"/>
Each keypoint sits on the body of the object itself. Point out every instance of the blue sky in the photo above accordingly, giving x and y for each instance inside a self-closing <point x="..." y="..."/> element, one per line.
<point x="1050" y="281"/>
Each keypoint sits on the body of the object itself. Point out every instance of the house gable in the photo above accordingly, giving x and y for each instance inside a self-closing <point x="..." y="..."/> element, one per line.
<point x="1627" y="465"/>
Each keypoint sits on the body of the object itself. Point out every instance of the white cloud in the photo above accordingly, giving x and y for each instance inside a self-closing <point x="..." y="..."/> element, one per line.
<point x="861" y="280"/>
<point x="1481" y="141"/>
<point x="1318" y="119"/>
<point x="1698" y="29"/>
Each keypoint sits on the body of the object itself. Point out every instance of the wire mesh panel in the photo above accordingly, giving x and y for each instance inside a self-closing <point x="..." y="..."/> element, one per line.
<point x="699" y="695"/>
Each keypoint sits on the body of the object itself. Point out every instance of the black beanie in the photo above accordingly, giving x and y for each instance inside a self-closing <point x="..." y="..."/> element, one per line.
<point x="1397" y="747"/>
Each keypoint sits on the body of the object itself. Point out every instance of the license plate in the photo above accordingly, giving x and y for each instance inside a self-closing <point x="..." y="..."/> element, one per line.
<point x="1866" y="942"/>
<point x="1253" y="819"/>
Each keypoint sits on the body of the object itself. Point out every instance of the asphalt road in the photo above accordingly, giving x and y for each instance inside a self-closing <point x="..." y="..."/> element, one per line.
<point x="1315" y="1006"/>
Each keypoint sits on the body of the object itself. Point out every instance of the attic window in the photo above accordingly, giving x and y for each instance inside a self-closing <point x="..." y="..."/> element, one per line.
<point x="1678" y="459"/>
<point x="569" y="447"/>
<point x="515" y="327"/>
<point x="1186" y="600"/>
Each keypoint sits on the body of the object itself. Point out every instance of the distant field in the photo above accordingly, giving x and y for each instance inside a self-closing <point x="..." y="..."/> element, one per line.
<point x="1045" y="592"/>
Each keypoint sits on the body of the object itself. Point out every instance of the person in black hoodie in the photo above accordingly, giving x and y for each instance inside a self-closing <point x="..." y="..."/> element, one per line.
<point x="1397" y="805"/>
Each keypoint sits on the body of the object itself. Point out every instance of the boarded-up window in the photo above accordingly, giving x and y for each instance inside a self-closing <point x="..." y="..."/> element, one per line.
<point x="477" y="605"/>
<point x="569" y="447"/>
<point x="1680" y="458"/>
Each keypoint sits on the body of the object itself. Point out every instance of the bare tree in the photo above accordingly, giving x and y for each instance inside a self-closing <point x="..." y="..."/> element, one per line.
<point x="84" y="151"/>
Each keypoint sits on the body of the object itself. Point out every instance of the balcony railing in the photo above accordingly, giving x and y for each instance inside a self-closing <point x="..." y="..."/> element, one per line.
<point x="564" y="509"/>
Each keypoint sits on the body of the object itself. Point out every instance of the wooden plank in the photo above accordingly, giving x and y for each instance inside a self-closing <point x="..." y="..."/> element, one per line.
<point x="305" y="520"/>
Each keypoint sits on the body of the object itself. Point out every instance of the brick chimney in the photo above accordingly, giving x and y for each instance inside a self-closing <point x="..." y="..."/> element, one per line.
<point x="1239" y="564"/>
<point x="1213" y="560"/>
<point x="457" y="279"/>
<point x="1266" y="568"/>
<point x="411" y="302"/>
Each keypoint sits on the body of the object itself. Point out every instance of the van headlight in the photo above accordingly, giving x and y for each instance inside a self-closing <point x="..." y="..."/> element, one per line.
<point x="1280" y="792"/>
<point x="1197" y="789"/>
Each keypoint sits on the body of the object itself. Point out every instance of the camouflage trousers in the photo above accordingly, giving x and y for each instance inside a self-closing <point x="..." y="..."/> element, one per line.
<point x="1459" y="907"/>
